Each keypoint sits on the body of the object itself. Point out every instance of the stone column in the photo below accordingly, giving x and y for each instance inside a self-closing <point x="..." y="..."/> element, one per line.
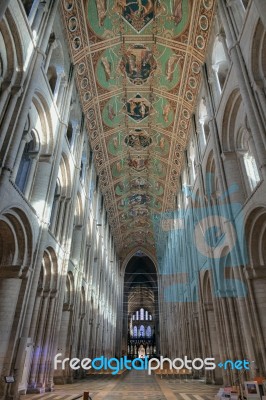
<point x="237" y="13"/>
<point x="25" y="139"/>
<point x="258" y="87"/>
<point x="52" y="46"/>
<point x="33" y="11"/>
<point x="11" y="97"/>
<point x="47" y="339"/>
<point x="38" y="17"/>
<point x="27" y="190"/>
<point x="10" y="286"/>
<point x="256" y="280"/>
<point x="3" y="6"/>
<point x="38" y="342"/>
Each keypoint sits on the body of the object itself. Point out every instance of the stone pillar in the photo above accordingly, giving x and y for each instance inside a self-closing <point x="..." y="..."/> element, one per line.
<point x="40" y="329"/>
<point x="10" y="286"/>
<point x="12" y="95"/>
<point x="33" y="11"/>
<point x="237" y="13"/>
<point x="52" y="46"/>
<point x="25" y="139"/>
<point x="258" y="87"/>
<point x="43" y="370"/>
<point x="38" y="17"/>
<point x="27" y="190"/>
<point x="3" y="6"/>
<point x="256" y="279"/>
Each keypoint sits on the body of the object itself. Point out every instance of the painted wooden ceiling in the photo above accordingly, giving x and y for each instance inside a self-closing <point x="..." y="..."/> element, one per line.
<point x="138" y="66"/>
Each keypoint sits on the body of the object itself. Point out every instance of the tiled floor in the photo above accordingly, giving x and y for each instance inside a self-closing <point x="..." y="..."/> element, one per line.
<point x="129" y="386"/>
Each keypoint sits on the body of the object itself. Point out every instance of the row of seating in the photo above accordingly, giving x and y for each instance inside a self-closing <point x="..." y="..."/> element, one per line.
<point x="167" y="372"/>
<point x="103" y="372"/>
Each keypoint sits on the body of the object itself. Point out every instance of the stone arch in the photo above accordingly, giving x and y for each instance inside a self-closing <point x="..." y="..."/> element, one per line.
<point x="77" y="231"/>
<point x="219" y="62"/>
<point x="258" y="50"/>
<point x="64" y="176"/>
<point x="79" y="211"/>
<point x="46" y="137"/>
<point x="255" y="228"/>
<point x="15" y="259"/>
<point x="42" y="331"/>
<point x="16" y="238"/>
<point x="50" y="266"/>
<point x="14" y="49"/>
<point x="134" y="251"/>
<point x="56" y="68"/>
<point x="231" y="111"/>
<point x="210" y="175"/>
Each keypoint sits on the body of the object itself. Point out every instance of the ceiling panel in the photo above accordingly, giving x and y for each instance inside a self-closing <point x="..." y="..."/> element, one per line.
<point x="138" y="72"/>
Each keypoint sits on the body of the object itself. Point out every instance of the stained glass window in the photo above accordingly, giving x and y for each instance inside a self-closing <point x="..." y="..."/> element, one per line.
<point x="135" y="332"/>
<point x="148" y="332"/>
<point x="141" y="331"/>
<point x="142" y="314"/>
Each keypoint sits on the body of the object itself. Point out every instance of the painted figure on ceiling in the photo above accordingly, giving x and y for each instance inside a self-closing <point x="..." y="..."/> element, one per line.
<point x="138" y="139"/>
<point x="137" y="12"/>
<point x="138" y="63"/>
<point x="107" y="67"/>
<point x="170" y="66"/>
<point x="177" y="11"/>
<point x="115" y="142"/>
<point x="138" y="108"/>
<point x="138" y="163"/>
<point x="138" y="212"/>
<point x="162" y="143"/>
<point x="140" y="183"/>
<point x="120" y="5"/>
<point x="111" y="112"/>
<point x="102" y="10"/>
<point x="139" y="199"/>
<point x="166" y="111"/>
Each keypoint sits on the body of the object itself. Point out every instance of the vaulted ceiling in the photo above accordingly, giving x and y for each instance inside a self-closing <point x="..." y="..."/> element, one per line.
<point x="138" y="66"/>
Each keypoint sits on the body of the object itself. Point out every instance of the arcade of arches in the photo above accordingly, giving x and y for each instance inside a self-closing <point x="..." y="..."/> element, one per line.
<point x="132" y="187"/>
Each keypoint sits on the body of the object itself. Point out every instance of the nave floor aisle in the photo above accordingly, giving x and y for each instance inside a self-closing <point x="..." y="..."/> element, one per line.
<point x="132" y="385"/>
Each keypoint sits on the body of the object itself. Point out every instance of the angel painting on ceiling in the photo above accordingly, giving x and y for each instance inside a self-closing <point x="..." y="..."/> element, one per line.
<point x="139" y="199"/>
<point x="140" y="183"/>
<point x="138" y="13"/>
<point x="138" y="108"/>
<point x="171" y="66"/>
<point x="138" y="64"/>
<point x="138" y="139"/>
<point x="138" y="163"/>
<point x="177" y="13"/>
<point x="138" y="211"/>
<point x="101" y="10"/>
